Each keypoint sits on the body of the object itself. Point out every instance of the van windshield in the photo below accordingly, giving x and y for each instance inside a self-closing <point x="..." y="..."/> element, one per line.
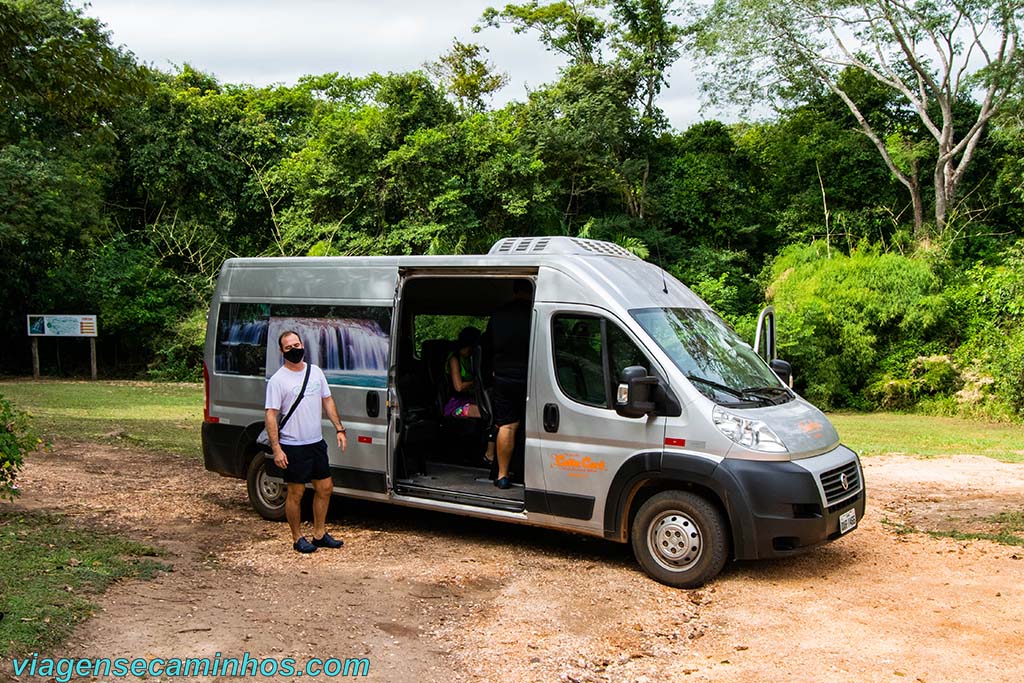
<point x="718" y="363"/>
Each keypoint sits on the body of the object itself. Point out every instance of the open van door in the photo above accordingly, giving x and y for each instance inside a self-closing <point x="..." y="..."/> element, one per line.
<point x="765" y="346"/>
<point x="764" y="336"/>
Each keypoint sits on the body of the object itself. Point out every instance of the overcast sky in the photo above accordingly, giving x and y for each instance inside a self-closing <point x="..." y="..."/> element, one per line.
<point x="275" y="41"/>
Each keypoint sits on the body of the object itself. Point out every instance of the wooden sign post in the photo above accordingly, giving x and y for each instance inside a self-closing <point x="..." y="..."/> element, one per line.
<point x="62" y="326"/>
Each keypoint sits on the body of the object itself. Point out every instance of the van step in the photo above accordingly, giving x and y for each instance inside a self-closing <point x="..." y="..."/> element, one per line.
<point x="476" y="500"/>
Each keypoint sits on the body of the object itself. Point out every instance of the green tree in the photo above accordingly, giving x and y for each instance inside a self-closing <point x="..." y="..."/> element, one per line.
<point x="59" y="72"/>
<point x="582" y="128"/>
<point x="570" y="27"/>
<point x="597" y="126"/>
<point x="62" y="84"/>
<point x="932" y="55"/>
<point x="464" y="73"/>
<point x="646" y="38"/>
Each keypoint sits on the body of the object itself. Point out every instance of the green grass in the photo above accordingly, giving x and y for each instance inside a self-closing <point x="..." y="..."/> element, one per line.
<point x="165" y="417"/>
<point x="49" y="572"/>
<point x="928" y="436"/>
<point x="1008" y="529"/>
<point x="168" y="417"/>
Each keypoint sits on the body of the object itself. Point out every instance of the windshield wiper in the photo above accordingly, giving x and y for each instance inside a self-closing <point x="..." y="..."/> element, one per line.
<point x="772" y="394"/>
<point x="715" y="385"/>
<point x="726" y="389"/>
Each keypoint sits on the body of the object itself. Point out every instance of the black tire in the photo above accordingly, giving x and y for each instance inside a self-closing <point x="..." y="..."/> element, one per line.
<point x="660" y="526"/>
<point x="267" y="497"/>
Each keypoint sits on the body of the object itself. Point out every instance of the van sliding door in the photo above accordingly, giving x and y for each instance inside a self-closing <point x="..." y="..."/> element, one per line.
<point x="344" y="319"/>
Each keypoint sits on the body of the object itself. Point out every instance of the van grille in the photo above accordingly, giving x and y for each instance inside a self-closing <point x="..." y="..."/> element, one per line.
<point x="832" y="482"/>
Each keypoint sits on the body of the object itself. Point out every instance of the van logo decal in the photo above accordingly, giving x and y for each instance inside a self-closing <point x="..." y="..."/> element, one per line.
<point x="576" y="465"/>
<point x="812" y="428"/>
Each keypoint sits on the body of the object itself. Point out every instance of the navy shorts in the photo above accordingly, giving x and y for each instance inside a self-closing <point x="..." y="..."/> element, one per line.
<point x="509" y="400"/>
<point x="306" y="463"/>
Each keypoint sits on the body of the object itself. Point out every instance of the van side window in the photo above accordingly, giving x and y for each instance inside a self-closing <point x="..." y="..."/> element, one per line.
<point x="589" y="354"/>
<point x="349" y="343"/>
<point x="578" y="359"/>
<point x="242" y="339"/>
<point x="623" y="353"/>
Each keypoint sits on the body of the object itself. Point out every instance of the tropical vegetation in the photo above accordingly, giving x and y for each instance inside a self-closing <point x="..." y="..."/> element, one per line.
<point x="879" y="207"/>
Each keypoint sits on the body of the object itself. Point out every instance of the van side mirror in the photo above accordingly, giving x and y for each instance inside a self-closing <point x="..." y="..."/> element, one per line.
<point x="634" y="393"/>
<point x="784" y="370"/>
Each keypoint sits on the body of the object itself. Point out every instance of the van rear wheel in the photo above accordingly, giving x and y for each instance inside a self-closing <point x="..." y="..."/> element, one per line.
<point x="266" y="495"/>
<point x="680" y="539"/>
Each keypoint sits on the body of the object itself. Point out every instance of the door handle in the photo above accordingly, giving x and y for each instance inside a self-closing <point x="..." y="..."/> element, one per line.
<point x="550" y="417"/>
<point x="372" y="404"/>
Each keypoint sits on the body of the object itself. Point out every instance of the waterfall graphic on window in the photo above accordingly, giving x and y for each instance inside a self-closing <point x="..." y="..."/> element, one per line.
<point x="350" y="351"/>
<point x="242" y="339"/>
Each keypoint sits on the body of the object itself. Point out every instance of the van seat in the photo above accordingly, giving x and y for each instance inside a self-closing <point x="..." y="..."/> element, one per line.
<point x="463" y="438"/>
<point x="433" y="354"/>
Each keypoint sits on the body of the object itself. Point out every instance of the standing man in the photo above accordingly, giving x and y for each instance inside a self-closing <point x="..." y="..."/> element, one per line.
<point x="300" y="449"/>
<point x="508" y="339"/>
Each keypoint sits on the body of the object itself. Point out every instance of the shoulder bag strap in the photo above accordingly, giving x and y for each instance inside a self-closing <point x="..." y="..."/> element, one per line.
<point x="302" y="393"/>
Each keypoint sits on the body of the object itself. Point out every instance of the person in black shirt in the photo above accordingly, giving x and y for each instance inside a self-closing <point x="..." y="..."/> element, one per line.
<point x="508" y="339"/>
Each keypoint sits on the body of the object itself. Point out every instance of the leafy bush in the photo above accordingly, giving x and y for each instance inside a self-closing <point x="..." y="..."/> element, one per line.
<point x="926" y="377"/>
<point x="16" y="441"/>
<point x="180" y="357"/>
<point x="935" y="375"/>
<point x="893" y="394"/>
<point x="840" y="317"/>
<point x="988" y="301"/>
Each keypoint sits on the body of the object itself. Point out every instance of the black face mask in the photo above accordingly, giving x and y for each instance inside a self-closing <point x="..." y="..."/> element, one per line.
<point x="294" y="355"/>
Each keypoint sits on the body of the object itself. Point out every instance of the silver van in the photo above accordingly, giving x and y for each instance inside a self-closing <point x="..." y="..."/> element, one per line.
<point x="648" y="420"/>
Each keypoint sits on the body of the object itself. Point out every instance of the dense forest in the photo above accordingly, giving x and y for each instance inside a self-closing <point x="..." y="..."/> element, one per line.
<point x="880" y="208"/>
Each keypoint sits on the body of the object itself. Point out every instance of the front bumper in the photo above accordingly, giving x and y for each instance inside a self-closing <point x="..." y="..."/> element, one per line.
<point x="794" y="506"/>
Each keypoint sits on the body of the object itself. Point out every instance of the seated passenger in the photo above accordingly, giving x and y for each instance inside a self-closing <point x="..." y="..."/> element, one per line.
<point x="460" y="376"/>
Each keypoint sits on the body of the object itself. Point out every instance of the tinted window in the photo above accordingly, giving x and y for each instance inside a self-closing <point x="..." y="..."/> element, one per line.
<point x="624" y="353"/>
<point x="578" y="362"/>
<point x="242" y="339"/>
<point x="581" y="364"/>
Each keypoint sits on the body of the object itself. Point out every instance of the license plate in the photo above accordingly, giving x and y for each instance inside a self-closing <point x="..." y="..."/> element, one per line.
<point x="847" y="520"/>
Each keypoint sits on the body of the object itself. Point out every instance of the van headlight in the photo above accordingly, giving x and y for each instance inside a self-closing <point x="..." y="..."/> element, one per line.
<point x="752" y="434"/>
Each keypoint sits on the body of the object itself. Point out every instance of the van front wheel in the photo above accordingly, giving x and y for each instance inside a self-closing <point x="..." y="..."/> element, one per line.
<point x="679" y="538"/>
<point x="266" y="495"/>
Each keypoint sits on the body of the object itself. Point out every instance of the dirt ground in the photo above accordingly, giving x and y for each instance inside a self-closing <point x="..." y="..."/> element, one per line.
<point x="430" y="597"/>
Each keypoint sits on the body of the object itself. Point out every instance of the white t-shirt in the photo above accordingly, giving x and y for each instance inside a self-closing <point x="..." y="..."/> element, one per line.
<point x="303" y="427"/>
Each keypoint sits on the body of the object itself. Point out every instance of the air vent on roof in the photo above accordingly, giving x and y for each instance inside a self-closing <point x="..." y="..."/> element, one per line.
<point x="599" y="247"/>
<point x="558" y="245"/>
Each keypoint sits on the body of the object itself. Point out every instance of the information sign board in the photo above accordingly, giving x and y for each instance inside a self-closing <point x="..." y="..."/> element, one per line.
<point x="62" y="326"/>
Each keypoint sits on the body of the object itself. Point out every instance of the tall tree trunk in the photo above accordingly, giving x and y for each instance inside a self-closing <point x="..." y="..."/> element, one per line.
<point x="915" y="197"/>
<point x="941" y="199"/>
<point x="914" y="185"/>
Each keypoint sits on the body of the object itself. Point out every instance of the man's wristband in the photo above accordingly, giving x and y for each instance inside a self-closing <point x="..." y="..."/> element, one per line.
<point x="341" y="430"/>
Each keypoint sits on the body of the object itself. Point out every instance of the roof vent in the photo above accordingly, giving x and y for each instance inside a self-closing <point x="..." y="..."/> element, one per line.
<point x="559" y="246"/>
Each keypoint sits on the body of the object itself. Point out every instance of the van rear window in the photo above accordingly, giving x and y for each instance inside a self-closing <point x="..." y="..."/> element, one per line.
<point x="349" y="343"/>
<point x="242" y="339"/>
